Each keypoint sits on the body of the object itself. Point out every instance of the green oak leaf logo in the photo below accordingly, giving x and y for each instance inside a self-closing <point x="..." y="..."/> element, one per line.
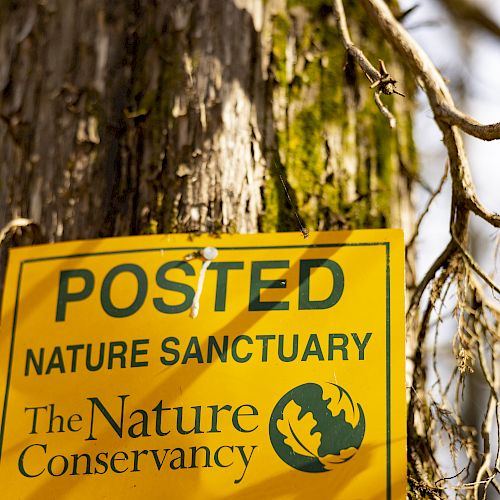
<point x="315" y="427"/>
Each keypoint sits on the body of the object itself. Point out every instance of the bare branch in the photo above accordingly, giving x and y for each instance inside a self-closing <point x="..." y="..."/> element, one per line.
<point x="381" y="80"/>
<point x="442" y="105"/>
<point x="370" y="71"/>
<point x="475" y="206"/>
<point x="474" y="265"/>
<point x="385" y="111"/>
<point x="486" y="301"/>
<point x="488" y="420"/>
<point x="440" y="262"/>
<point x="435" y="87"/>
<point x="469" y="125"/>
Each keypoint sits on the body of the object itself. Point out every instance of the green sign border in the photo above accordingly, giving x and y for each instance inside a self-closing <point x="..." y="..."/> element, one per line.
<point x="253" y="248"/>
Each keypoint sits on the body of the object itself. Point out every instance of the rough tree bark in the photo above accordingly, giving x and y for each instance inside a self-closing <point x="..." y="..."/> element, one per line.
<point x="135" y="117"/>
<point x="146" y="116"/>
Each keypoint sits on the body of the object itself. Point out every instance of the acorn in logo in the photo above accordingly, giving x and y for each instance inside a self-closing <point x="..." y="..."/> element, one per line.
<point x="314" y="427"/>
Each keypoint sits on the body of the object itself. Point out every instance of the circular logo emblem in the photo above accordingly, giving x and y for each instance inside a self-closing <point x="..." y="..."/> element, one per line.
<point x="314" y="427"/>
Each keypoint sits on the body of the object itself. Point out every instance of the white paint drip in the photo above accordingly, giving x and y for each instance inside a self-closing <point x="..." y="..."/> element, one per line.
<point x="207" y="254"/>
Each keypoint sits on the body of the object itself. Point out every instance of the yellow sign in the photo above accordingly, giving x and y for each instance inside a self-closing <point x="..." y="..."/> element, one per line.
<point x="256" y="366"/>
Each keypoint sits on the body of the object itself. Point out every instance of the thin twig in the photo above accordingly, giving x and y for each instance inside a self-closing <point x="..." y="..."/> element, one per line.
<point x="428" y="206"/>
<point x="380" y="80"/>
<point x="429" y="276"/>
<point x="475" y="206"/>
<point x="469" y="125"/>
<point x="473" y="264"/>
<point x="370" y="71"/>
<point x="385" y="111"/>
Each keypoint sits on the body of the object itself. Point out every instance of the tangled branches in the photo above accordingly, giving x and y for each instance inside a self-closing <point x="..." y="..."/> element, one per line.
<point x="477" y="338"/>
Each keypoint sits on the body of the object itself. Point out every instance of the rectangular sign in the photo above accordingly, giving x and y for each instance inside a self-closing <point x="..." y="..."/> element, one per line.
<point x="288" y="383"/>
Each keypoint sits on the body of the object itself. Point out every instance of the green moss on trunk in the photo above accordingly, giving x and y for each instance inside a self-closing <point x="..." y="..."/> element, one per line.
<point x="317" y="132"/>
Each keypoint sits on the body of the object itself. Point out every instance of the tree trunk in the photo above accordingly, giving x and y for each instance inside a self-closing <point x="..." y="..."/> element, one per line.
<point x="133" y="117"/>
